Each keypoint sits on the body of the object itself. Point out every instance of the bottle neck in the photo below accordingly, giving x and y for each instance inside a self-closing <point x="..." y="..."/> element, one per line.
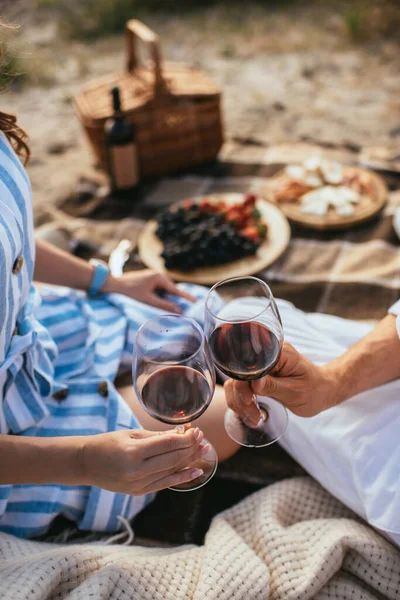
<point x="116" y="100"/>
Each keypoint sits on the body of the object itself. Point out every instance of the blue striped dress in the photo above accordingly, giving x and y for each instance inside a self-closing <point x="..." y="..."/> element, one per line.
<point x="60" y="352"/>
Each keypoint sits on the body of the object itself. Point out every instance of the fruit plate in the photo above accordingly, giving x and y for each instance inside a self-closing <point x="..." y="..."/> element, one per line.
<point x="368" y="207"/>
<point x="278" y="236"/>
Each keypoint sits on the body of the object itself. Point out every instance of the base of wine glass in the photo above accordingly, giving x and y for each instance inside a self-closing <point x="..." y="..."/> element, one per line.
<point x="267" y="431"/>
<point x="208" y="464"/>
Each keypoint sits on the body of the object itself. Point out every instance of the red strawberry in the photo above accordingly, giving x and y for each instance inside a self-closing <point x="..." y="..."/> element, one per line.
<point x="220" y="206"/>
<point x="234" y="215"/>
<point x="249" y="200"/>
<point x="187" y="204"/>
<point x="252" y="233"/>
<point x="205" y="205"/>
<point x="247" y="212"/>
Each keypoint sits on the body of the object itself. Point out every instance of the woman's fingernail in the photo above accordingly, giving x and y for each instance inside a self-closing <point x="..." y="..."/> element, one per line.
<point x="196" y="433"/>
<point x="196" y="473"/>
<point x="205" y="449"/>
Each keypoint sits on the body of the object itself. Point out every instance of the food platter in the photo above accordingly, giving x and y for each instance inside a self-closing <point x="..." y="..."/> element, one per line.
<point x="278" y="236"/>
<point x="368" y="204"/>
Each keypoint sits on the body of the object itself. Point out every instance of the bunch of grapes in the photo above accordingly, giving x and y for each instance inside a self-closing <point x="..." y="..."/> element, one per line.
<point x="194" y="237"/>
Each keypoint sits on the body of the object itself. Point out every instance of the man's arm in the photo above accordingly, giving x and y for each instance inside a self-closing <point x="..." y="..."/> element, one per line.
<point x="307" y="389"/>
<point x="371" y="362"/>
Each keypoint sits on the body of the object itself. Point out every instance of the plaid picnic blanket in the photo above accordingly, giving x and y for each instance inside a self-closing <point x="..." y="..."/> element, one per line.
<point x="353" y="274"/>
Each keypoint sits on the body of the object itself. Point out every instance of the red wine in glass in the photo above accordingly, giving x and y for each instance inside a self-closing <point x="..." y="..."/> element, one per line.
<point x="244" y="351"/>
<point x="174" y="379"/>
<point x="245" y="335"/>
<point x="176" y="394"/>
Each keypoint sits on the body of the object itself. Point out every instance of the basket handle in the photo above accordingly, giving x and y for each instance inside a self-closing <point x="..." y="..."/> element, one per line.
<point x="137" y="30"/>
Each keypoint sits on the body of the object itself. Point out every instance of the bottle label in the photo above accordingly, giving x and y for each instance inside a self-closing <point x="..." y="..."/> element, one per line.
<point x="124" y="166"/>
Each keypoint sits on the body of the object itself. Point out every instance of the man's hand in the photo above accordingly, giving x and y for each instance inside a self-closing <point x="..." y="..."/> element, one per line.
<point x="138" y="462"/>
<point x="145" y="286"/>
<point x="304" y="388"/>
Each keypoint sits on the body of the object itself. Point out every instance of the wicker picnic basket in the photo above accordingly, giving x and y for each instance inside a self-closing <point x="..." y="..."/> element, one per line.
<point x="175" y="109"/>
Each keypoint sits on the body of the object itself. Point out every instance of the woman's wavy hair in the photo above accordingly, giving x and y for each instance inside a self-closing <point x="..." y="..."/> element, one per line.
<point x="9" y="126"/>
<point x="16" y="136"/>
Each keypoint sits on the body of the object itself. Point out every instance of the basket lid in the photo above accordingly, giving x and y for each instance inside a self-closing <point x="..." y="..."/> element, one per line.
<point x="138" y="89"/>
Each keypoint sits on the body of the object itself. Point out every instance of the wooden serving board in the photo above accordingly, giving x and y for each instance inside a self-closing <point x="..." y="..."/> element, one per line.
<point x="278" y="236"/>
<point x="366" y="209"/>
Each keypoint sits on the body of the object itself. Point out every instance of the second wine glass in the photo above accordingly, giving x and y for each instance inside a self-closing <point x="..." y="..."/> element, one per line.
<point x="245" y="334"/>
<point x="174" y="379"/>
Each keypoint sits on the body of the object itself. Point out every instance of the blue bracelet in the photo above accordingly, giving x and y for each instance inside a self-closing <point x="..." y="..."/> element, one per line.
<point x="101" y="272"/>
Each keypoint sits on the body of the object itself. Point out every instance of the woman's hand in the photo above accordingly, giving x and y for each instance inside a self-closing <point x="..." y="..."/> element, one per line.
<point x="146" y="286"/>
<point x="137" y="462"/>
<point x="303" y="387"/>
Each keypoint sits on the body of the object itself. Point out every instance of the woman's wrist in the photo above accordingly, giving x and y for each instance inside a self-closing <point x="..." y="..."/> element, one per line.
<point x="112" y="285"/>
<point x="61" y="460"/>
<point x="42" y="460"/>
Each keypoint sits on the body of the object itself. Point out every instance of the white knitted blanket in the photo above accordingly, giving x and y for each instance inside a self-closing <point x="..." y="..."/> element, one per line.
<point x="290" y="541"/>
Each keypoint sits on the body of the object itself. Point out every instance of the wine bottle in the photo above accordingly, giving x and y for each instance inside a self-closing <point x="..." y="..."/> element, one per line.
<point x="121" y="147"/>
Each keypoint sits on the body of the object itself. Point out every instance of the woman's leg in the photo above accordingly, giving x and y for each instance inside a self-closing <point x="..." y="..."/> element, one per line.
<point x="211" y="421"/>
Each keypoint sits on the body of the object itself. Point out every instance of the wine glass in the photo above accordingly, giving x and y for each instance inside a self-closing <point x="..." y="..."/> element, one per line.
<point x="245" y="336"/>
<point x="174" y="379"/>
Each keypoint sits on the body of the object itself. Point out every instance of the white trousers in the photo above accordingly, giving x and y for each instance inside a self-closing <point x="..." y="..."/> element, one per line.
<point x="353" y="449"/>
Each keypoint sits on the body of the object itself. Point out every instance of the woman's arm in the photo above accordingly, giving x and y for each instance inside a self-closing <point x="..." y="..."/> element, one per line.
<point x="307" y="389"/>
<point x="57" y="267"/>
<point x="131" y="462"/>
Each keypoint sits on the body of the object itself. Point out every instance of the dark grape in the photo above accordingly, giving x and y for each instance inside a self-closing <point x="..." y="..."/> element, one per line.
<point x="194" y="238"/>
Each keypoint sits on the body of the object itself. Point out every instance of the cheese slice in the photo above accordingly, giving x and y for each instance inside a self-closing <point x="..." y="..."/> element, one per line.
<point x="317" y="202"/>
<point x="346" y="210"/>
<point x="313" y="181"/>
<point x="332" y="172"/>
<point x="295" y="172"/>
<point x="319" y="209"/>
<point x="312" y="164"/>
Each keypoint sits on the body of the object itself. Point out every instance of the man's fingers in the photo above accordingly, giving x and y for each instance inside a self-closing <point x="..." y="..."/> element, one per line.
<point x="258" y="385"/>
<point x="230" y="397"/>
<point x="166" y="305"/>
<point x="238" y="394"/>
<point x="183" y="476"/>
<point x="239" y="397"/>
<point x="169" y="441"/>
<point x="267" y="386"/>
<point x="244" y="392"/>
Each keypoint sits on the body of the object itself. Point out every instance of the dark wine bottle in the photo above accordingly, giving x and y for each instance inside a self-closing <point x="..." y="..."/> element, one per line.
<point x="121" y="147"/>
